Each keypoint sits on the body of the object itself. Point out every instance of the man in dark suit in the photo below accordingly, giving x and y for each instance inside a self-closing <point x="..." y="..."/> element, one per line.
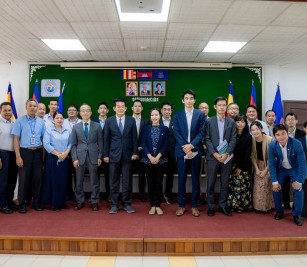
<point x="291" y="122"/>
<point x="166" y="119"/>
<point x="189" y="130"/>
<point x="86" y="152"/>
<point x="137" y="165"/>
<point x="220" y="131"/>
<point x="304" y="143"/>
<point x="287" y="158"/>
<point x="103" y="110"/>
<point x="120" y="147"/>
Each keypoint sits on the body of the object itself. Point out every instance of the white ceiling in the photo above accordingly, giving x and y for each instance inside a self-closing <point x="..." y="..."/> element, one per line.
<point x="276" y="31"/>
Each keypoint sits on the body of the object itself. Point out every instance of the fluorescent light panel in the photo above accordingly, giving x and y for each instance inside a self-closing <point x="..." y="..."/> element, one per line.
<point x="221" y="46"/>
<point x="162" y="17"/>
<point x="64" y="44"/>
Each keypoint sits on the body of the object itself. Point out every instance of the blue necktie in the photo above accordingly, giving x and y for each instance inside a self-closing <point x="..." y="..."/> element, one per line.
<point x="86" y="130"/>
<point x="120" y="125"/>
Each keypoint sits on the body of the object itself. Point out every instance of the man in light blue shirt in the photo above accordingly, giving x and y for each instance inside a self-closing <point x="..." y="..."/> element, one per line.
<point x="28" y="132"/>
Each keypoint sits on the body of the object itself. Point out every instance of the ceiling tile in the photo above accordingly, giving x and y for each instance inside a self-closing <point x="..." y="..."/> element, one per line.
<point x="94" y="30"/>
<point x="184" y="45"/>
<point x="179" y="56"/>
<point x="186" y="31"/>
<point x="153" y="45"/>
<point x="103" y="44"/>
<point x="295" y="15"/>
<point x="144" y="30"/>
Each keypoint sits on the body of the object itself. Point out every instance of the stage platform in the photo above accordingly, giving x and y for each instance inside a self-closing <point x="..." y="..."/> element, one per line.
<point x="86" y="232"/>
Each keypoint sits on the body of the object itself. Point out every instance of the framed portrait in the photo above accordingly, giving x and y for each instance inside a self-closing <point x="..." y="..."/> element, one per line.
<point x="132" y="88"/>
<point x="145" y="88"/>
<point x="159" y="88"/>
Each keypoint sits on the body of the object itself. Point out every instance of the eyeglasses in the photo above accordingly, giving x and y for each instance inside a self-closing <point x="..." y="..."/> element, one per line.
<point x="72" y="110"/>
<point x="86" y="111"/>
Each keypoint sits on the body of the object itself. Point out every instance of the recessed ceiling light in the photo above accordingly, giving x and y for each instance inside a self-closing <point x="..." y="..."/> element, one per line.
<point x="221" y="46"/>
<point x="64" y="44"/>
<point x="146" y="16"/>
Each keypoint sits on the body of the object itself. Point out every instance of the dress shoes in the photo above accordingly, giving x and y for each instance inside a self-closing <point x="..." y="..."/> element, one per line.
<point x="279" y="215"/>
<point x="195" y="212"/>
<point x="298" y="221"/>
<point x="22" y="209"/>
<point x="37" y="207"/>
<point x="211" y="212"/>
<point x="6" y="210"/>
<point x="225" y="211"/>
<point x="95" y="207"/>
<point x="180" y="211"/>
<point x="79" y="206"/>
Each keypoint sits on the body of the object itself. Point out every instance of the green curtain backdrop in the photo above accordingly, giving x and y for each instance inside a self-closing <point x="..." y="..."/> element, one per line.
<point x="96" y="85"/>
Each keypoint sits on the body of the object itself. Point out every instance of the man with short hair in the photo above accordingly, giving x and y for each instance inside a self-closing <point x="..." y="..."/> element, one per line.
<point x="8" y="168"/>
<point x="41" y="110"/>
<point x="86" y="152"/>
<point x="287" y="158"/>
<point x="137" y="166"/>
<point x="220" y="141"/>
<point x="204" y="108"/>
<point x="53" y="107"/>
<point x="189" y="130"/>
<point x="171" y="167"/>
<point x="103" y="110"/>
<point x="252" y="115"/>
<point x="270" y="118"/>
<point x="291" y="122"/>
<point x="72" y="113"/>
<point x="233" y="110"/>
<point x="120" y="147"/>
<point x="28" y="132"/>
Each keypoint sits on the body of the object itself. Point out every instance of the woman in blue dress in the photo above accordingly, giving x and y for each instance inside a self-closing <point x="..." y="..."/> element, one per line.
<point x="57" y="144"/>
<point x="155" y="144"/>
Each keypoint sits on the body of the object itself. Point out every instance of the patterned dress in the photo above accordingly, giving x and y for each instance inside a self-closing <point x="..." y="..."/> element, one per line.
<point x="239" y="186"/>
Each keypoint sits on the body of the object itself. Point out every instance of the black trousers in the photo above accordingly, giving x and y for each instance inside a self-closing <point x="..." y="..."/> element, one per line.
<point x="170" y="170"/>
<point x="8" y="177"/>
<point x="30" y="173"/>
<point x="154" y="173"/>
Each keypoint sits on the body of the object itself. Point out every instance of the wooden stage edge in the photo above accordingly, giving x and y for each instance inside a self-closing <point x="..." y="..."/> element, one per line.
<point x="151" y="246"/>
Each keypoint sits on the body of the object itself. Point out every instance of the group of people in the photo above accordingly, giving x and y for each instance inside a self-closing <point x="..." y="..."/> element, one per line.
<point x="253" y="158"/>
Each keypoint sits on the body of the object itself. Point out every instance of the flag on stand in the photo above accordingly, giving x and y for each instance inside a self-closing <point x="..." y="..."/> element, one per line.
<point x="231" y="95"/>
<point x="277" y="107"/>
<point x="61" y="101"/>
<point x="252" y="100"/>
<point x="36" y="94"/>
<point x="10" y="99"/>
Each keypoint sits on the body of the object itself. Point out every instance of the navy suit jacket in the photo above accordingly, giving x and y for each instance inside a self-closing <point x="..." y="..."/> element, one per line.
<point x="212" y="139"/>
<point x="197" y="132"/>
<point x="296" y="158"/>
<point x="147" y="140"/>
<point x="143" y="123"/>
<point x="119" y="146"/>
<point x="304" y="144"/>
<point x="171" y="138"/>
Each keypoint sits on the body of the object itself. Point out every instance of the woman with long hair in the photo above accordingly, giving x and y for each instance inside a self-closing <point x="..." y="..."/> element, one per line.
<point x="240" y="195"/>
<point x="262" y="194"/>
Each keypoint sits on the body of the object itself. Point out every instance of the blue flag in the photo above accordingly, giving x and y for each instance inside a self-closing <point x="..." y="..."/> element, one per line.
<point x="277" y="107"/>
<point x="252" y="99"/>
<point x="61" y="101"/>
<point x="36" y="94"/>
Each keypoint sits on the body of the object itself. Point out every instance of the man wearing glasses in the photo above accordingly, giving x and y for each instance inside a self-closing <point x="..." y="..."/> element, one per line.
<point x="232" y="110"/>
<point x="86" y="152"/>
<point x="72" y="119"/>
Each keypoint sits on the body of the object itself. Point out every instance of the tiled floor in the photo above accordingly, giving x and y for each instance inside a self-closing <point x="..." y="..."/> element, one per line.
<point x="87" y="261"/>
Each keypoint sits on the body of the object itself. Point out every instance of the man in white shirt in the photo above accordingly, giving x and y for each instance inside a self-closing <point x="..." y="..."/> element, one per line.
<point x="48" y="118"/>
<point x="287" y="158"/>
<point x="8" y="168"/>
<point x="137" y="165"/>
<point x="72" y="119"/>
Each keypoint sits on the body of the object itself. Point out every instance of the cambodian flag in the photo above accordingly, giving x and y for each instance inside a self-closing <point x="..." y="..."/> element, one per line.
<point x="253" y="100"/>
<point x="36" y="95"/>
